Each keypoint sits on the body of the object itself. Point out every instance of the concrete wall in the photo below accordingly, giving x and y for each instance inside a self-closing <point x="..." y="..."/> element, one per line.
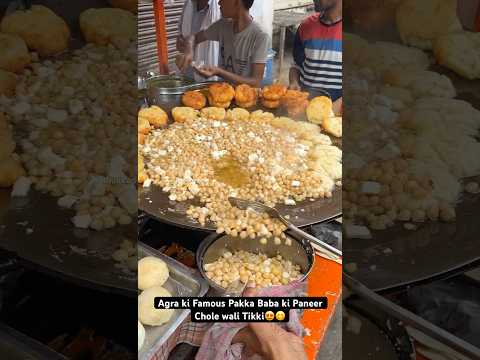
<point x="286" y="4"/>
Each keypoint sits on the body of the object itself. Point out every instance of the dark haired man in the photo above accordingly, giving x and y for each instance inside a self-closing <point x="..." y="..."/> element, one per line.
<point x="318" y="51"/>
<point x="243" y="45"/>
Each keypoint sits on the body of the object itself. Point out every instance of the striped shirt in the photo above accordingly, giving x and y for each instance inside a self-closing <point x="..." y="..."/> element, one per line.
<point x="318" y="55"/>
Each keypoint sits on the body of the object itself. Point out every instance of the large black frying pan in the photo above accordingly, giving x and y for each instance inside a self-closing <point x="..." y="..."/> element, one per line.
<point x="55" y="246"/>
<point x="156" y="204"/>
<point x="396" y="258"/>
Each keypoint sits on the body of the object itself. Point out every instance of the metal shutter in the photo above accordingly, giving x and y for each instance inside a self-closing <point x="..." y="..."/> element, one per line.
<point x="173" y="12"/>
<point x="147" y="38"/>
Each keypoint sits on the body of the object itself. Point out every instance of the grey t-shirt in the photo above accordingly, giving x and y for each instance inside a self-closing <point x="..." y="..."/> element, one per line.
<point x="239" y="51"/>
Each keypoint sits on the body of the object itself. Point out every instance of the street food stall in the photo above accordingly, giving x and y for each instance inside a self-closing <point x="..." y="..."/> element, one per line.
<point x="200" y="144"/>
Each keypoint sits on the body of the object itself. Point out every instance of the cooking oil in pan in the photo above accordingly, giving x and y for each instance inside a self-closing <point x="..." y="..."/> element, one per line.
<point x="230" y="171"/>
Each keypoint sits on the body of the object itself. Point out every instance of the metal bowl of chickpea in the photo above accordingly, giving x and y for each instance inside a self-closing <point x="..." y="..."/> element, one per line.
<point x="222" y="259"/>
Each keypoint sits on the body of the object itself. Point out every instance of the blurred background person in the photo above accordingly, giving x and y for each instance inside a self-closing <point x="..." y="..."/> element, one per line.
<point x="317" y="52"/>
<point x="198" y="15"/>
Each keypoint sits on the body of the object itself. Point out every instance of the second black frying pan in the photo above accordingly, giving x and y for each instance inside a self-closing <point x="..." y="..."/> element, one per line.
<point x="54" y="245"/>
<point x="40" y="235"/>
<point x="397" y="257"/>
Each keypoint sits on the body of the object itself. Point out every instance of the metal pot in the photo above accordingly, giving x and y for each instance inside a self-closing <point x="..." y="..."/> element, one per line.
<point x="215" y="245"/>
<point x="166" y="90"/>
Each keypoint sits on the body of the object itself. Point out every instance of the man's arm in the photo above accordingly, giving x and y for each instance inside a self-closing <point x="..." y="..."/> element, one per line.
<point x="294" y="78"/>
<point x="257" y="69"/>
<point x="187" y="45"/>
<point x="255" y="80"/>
<point x="338" y="106"/>
<point x="299" y="58"/>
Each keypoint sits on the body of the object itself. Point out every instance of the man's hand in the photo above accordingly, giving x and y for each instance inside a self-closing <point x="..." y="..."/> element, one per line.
<point x="181" y="43"/>
<point x="270" y="340"/>
<point x="207" y="71"/>
<point x="294" y="86"/>
<point x="294" y="79"/>
<point x="188" y="45"/>
<point x="338" y="106"/>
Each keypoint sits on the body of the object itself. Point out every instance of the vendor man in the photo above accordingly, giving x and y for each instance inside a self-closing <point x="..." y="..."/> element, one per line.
<point x="318" y="52"/>
<point x="243" y="45"/>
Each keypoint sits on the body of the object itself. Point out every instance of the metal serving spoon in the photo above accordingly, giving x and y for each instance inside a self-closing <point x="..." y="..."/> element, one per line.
<point x="331" y="252"/>
<point x="235" y="289"/>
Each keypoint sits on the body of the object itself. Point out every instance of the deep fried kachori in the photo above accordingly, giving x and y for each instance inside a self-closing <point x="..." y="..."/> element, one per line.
<point x="221" y="95"/>
<point x="214" y="113"/>
<point x="14" y="56"/>
<point x="320" y="108"/>
<point x="214" y="103"/>
<point x="238" y="114"/>
<point x="155" y="116"/>
<point x="143" y="125"/>
<point x="261" y="116"/>
<point x="295" y="102"/>
<point x="245" y="96"/>
<point x="333" y="126"/>
<point x="297" y="107"/>
<point x="40" y="28"/>
<point x="270" y="104"/>
<point x="183" y="114"/>
<point x="274" y="92"/>
<point x="194" y="99"/>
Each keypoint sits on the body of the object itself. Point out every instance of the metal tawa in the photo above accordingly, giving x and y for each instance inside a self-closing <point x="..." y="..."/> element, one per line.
<point x="397" y="257"/>
<point x="380" y="336"/>
<point x="41" y="236"/>
<point x="54" y="245"/>
<point x="156" y="204"/>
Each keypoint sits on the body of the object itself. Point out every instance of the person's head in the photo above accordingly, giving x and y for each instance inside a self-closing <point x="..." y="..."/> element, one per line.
<point x="325" y="5"/>
<point x="231" y="8"/>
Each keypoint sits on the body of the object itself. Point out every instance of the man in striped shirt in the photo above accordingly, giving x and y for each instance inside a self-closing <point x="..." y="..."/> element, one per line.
<point x="318" y="52"/>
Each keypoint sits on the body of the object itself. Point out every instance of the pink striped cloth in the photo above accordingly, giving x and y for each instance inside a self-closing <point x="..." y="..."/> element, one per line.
<point x="217" y="341"/>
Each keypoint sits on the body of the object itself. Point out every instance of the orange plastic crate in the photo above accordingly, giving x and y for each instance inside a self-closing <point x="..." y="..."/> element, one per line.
<point x="324" y="280"/>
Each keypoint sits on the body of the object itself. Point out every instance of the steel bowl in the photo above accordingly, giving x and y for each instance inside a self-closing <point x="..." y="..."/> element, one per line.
<point x="214" y="246"/>
<point x="167" y="91"/>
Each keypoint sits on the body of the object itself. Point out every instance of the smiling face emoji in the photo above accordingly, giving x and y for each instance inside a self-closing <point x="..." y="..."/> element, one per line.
<point x="269" y="315"/>
<point x="280" y="315"/>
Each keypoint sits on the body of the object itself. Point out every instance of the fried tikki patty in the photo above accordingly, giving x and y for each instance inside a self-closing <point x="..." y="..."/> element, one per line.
<point x="274" y="92"/>
<point x="221" y="92"/>
<point x="245" y="96"/>
<point x="194" y="99"/>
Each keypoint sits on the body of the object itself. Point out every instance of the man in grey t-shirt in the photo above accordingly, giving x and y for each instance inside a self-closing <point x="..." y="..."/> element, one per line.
<point x="243" y="45"/>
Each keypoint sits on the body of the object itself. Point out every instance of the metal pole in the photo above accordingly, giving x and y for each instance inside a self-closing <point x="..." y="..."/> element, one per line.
<point x="283" y="33"/>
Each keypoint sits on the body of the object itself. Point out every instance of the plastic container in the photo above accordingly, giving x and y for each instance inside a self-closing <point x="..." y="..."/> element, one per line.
<point x="268" y="76"/>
